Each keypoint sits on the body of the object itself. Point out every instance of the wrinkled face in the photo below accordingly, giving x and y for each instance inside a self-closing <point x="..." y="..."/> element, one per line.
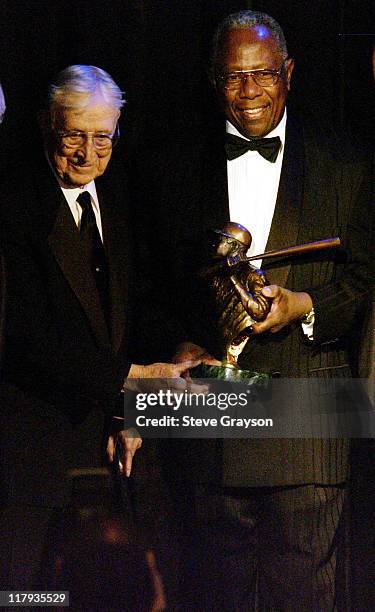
<point x="78" y="165"/>
<point x="253" y="110"/>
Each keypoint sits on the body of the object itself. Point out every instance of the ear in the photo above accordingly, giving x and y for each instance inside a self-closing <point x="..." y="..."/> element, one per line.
<point x="288" y="71"/>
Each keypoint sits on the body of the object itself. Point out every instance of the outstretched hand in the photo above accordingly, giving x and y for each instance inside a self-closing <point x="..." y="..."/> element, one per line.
<point x="172" y="376"/>
<point x="287" y="306"/>
<point x="164" y="370"/>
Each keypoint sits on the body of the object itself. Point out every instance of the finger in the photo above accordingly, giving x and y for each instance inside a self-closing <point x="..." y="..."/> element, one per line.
<point x="259" y="328"/>
<point x="110" y="449"/>
<point x="188" y="355"/>
<point x="186" y="365"/>
<point x="211" y="361"/>
<point x="128" y="462"/>
<point x="270" y="324"/>
<point x="271" y="291"/>
<point x="128" y="435"/>
<point x="181" y="358"/>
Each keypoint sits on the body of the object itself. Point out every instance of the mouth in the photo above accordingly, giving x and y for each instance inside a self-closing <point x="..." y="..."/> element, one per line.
<point x="78" y="166"/>
<point x="253" y="113"/>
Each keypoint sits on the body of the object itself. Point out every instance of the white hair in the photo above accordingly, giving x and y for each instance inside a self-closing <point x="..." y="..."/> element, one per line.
<point x="74" y="86"/>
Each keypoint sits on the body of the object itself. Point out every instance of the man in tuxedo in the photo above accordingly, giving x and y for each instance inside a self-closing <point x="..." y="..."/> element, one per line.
<point x="67" y="326"/>
<point x="268" y="515"/>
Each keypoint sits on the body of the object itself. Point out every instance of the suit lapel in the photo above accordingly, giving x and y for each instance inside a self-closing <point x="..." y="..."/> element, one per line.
<point x="116" y="243"/>
<point x="66" y="247"/>
<point x="54" y="220"/>
<point x="286" y="219"/>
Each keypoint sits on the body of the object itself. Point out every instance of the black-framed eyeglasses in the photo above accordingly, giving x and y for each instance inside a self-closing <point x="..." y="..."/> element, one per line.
<point x="263" y="77"/>
<point x="102" y="142"/>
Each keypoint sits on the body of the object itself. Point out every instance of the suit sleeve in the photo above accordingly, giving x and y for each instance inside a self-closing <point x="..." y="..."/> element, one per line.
<point x="340" y="303"/>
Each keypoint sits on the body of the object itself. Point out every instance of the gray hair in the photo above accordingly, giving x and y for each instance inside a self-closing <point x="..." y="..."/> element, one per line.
<point x="245" y="20"/>
<point x="74" y="86"/>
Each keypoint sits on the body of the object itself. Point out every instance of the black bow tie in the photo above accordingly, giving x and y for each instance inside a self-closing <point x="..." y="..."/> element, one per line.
<point x="266" y="147"/>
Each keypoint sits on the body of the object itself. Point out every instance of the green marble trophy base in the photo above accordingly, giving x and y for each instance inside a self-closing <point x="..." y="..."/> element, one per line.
<point x="230" y="374"/>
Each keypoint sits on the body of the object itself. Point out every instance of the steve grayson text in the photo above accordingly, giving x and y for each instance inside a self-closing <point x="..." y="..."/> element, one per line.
<point x="192" y="421"/>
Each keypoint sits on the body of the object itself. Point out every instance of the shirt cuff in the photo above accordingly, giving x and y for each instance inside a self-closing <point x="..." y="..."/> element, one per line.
<point x="307" y="323"/>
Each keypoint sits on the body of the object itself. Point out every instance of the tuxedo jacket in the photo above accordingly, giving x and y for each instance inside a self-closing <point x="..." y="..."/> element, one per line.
<point x="323" y="192"/>
<point x="61" y="367"/>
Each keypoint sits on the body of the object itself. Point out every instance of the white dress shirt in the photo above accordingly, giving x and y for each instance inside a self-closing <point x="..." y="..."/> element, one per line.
<point x="253" y="183"/>
<point x="71" y="195"/>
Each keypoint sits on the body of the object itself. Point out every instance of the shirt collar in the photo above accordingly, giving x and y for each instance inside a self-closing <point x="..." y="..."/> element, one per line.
<point x="71" y="193"/>
<point x="279" y="130"/>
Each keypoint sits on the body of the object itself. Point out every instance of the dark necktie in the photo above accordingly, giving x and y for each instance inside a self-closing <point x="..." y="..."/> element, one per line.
<point x="266" y="147"/>
<point x="93" y="247"/>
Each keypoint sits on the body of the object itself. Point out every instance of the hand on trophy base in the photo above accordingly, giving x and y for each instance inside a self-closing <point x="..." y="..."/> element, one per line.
<point x="241" y="300"/>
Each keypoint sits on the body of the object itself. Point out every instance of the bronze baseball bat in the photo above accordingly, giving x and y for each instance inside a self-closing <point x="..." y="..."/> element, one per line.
<point x="299" y="249"/>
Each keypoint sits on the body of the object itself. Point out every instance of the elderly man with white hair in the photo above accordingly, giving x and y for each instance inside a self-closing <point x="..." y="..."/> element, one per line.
<point x="68" y="310"/>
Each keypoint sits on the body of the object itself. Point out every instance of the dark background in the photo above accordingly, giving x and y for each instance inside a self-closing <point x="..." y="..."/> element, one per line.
<point x="157" y="51"/>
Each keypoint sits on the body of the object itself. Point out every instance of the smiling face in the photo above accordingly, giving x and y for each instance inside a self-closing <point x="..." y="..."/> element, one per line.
<point x="253" y="110"/>
<point x="79" y="165"/>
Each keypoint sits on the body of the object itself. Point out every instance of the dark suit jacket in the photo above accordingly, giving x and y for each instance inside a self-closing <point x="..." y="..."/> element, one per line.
<point x="60" y="365"/>
<point x="323" y="192"/>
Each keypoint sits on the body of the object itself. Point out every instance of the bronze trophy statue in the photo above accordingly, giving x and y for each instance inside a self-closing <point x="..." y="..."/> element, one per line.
<point x="235" y="287"/>
<point x="237" y="301"/>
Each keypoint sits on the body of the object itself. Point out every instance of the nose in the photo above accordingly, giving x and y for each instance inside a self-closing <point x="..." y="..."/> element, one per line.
<point x="249" y="88"/>
<point x="86" y="150"/>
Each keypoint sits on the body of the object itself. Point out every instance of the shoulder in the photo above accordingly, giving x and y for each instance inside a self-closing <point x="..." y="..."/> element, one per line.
<point x="322" y="144"/>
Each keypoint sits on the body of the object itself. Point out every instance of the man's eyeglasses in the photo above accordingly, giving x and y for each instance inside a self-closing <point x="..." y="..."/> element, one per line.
<point x="101" y="142"/>
<point x="263" y="78"/>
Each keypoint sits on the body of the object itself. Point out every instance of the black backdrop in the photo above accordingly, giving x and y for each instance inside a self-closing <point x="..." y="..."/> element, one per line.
<point x="157" y="51"/>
